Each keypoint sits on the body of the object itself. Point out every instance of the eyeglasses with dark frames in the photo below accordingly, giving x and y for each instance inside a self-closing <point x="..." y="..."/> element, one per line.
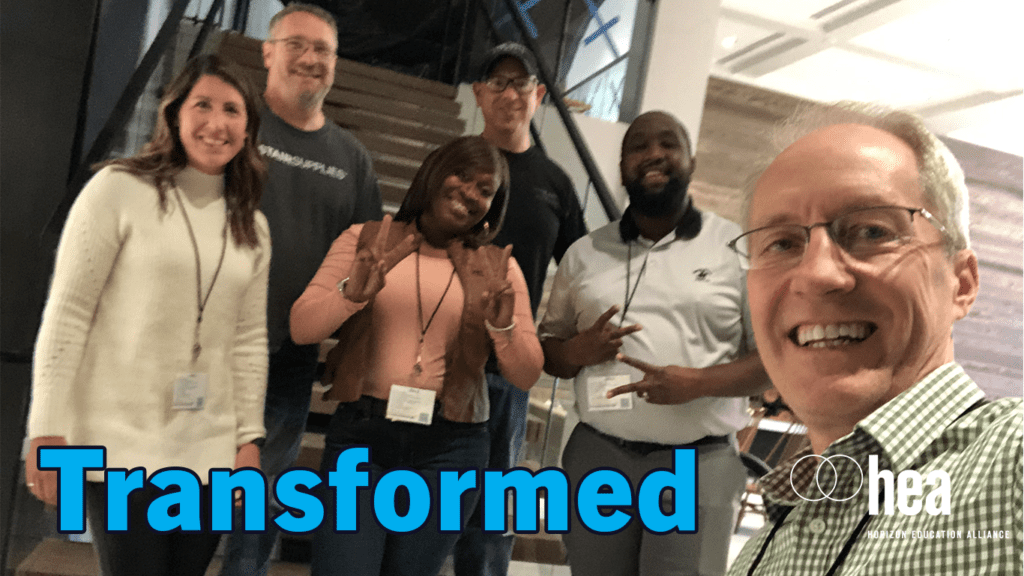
<point x="297" y="46"/>
<point x="522" y="84"/>
<point x="860" y="233"/>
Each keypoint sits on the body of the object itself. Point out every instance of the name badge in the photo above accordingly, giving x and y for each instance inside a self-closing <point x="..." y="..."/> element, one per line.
<point x="407" y="404"/>
<point x="190" y="391"/>
<point x="597" y="393"/>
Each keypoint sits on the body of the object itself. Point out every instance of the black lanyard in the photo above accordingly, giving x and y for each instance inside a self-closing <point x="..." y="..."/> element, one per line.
<point x="200" y="300"/>
<point x="417" y="368"/>
<point x="842" y="553"/>
<point x="629" y="295"/>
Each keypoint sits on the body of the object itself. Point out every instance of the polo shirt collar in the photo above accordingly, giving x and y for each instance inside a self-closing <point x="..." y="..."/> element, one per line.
<point x="687" y="229"/>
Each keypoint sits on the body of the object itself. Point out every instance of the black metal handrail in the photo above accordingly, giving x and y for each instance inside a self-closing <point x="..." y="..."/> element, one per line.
<point x="125" y="105"/>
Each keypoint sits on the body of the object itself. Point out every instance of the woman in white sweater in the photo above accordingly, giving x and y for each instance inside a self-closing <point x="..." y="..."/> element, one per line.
<point x="153" y="339"/>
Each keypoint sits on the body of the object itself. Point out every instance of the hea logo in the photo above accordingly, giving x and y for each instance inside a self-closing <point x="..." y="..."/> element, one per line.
<point x="905" y="492"/>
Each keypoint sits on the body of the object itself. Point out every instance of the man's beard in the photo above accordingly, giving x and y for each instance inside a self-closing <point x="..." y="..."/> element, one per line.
<point x="313" y="100"/>
<point x="666" y="202"/>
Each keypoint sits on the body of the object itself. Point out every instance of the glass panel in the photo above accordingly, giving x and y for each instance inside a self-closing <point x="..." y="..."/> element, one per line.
<point x="603" y="93"/>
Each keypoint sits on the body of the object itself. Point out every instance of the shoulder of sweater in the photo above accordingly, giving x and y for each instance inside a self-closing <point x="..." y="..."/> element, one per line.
<point x="113" y="187"/>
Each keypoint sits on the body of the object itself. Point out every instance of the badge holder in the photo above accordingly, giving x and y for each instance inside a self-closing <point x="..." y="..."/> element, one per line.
<point x="190" y="391"/>
<point x="408" y="404"/>
<point x="597" y="393"/>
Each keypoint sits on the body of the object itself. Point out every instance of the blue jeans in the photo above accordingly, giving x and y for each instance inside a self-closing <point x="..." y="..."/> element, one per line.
<point x="373" y="550"/>
<point x="478" y="553"/>
<point x="290" y="386"/>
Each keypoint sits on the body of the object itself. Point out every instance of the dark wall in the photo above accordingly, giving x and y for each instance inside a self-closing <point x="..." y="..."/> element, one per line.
<point x="44" y="45"/>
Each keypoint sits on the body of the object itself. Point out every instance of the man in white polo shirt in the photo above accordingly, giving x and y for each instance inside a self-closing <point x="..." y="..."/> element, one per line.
<point x="662" y="287"/>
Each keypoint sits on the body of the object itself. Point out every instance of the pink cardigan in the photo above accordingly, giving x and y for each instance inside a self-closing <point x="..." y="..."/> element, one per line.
<point x="322" y="309"/>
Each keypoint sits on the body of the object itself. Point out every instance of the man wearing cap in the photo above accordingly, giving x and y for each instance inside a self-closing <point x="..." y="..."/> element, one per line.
<point x="661" y="286"/>
<point x="543" y="218"/>
<point x="859" y="266"/>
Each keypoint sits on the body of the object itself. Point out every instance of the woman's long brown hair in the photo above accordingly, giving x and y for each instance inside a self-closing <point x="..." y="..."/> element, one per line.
<point x="164" y="156"/>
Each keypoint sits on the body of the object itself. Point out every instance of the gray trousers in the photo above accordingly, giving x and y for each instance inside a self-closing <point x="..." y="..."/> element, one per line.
<point x="634" y="551"/>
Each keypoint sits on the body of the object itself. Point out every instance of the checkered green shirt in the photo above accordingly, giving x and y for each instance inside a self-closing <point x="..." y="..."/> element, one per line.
<point x="935" y="425"/>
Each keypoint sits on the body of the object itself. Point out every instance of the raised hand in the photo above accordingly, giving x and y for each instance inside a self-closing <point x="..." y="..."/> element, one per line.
<point x="376" y="254"/>
<point x="662" y="384"/>
<point x="599" y="343"/>
<point x="488" y="295"/>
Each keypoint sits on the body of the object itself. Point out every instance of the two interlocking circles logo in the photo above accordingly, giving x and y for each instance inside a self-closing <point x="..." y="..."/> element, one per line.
<point x="825" y="492"/>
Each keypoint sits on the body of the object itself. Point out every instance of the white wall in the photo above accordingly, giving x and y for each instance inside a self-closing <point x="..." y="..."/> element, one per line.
<point x="680" y="59"/>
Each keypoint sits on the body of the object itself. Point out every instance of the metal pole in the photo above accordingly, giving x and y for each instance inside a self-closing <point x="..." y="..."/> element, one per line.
<point x="119" y="115"/>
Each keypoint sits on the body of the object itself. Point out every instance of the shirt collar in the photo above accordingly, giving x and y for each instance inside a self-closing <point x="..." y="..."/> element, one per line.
<point x="912" y="421"/>
<point x="898" y="432"/>
<point x="687" y="229"/>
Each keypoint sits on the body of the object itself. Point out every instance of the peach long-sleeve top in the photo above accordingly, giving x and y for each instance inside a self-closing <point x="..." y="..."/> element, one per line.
<point x="322" y="308"/>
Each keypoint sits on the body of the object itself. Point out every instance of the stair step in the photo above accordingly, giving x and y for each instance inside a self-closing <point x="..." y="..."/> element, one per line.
<point x="346" y="77"/>
<point x="254" y="45"/>
<point x="365" y="120"/>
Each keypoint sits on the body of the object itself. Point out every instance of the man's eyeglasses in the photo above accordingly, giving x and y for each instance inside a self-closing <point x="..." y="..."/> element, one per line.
<point x="523" y="84"/>
<point x="297" y="46"/>
<point x="861" y="233"/>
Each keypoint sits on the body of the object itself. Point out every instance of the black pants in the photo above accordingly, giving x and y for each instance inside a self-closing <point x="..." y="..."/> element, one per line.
<point x="141" y="551"/>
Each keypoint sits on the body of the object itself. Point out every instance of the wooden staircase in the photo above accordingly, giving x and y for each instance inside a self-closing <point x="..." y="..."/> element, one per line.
<point x="399" y="118"/>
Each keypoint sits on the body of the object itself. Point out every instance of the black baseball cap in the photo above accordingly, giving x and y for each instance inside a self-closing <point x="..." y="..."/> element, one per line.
<point x="508" y="50"/>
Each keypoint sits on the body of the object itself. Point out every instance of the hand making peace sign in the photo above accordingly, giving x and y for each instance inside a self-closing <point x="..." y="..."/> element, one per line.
<point x="483" y="273"/>
<point x="374" y="260"/>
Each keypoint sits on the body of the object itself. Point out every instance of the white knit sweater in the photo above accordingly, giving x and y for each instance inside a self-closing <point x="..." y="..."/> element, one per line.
<point x="119" y="324"/>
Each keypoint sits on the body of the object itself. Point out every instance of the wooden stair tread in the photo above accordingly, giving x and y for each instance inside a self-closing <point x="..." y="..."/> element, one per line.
<point x="253" y="45"/>
<point x="390" y="87"/>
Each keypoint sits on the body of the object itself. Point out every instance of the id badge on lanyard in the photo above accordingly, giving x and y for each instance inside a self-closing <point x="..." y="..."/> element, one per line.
<point x="597" y="393"/>
<point x="190" y="390"/>
<point x="407" y="404"/>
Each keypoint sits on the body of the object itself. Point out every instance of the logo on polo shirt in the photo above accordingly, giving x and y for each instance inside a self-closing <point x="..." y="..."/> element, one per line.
<point x="905" y="491"/>
<point x="701" y="274"/>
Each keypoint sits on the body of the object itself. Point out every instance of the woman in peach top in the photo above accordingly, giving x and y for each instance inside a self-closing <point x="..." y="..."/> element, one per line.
<point x="421" y="302"/>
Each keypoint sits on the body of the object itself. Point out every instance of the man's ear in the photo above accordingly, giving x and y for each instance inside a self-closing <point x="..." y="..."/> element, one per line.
<point x="541" y="91"/>
<point x="266" y="54"/>
<point x="965" y="267"/>
<point x="478" y="88"/>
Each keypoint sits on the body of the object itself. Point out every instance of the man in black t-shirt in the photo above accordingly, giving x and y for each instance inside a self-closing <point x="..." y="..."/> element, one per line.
<point x="543" y="218"/>
<point x="320" y="181"/>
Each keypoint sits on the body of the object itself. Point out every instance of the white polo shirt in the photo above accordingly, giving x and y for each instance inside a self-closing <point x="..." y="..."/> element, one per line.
<point x="691" y="301"/>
